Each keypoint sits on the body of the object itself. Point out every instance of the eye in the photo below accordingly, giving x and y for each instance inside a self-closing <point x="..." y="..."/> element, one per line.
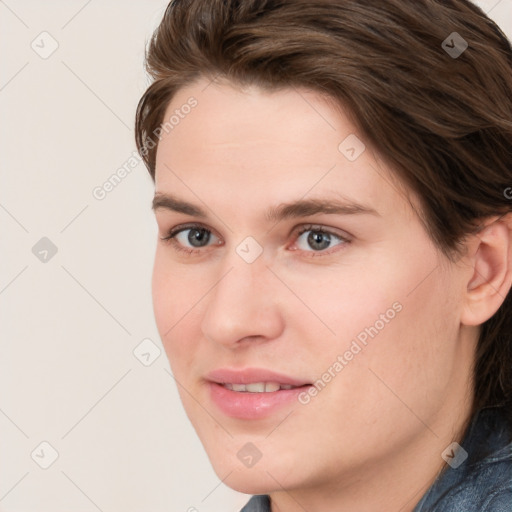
<point x="318" y="239"/>
<point x="191" y="238"/>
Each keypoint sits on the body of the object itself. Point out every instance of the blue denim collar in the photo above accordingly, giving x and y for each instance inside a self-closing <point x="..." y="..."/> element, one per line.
<point x="488" y="466"/>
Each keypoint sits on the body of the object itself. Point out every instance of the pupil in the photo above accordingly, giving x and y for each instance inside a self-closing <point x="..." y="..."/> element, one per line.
<point x="198" y="237"/>
<point x="318" y="240"/>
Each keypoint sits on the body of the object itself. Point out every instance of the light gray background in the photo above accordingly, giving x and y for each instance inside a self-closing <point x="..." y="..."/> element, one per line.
<point x="70" y="324"/>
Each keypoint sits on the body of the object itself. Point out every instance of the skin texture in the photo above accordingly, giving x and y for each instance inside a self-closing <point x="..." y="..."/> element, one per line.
<point x="372" y="438"/>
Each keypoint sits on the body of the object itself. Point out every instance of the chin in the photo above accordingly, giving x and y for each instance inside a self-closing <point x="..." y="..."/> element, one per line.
<point x="264" y="476"/>
<point x="249" y="480"/>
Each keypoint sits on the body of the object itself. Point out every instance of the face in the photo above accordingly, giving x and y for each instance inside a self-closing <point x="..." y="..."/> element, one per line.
<point x="311" y="324"/>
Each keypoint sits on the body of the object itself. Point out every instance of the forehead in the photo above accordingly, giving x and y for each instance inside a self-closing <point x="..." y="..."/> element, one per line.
<point x="268" y="146"/>
<point x="229" y="116"/>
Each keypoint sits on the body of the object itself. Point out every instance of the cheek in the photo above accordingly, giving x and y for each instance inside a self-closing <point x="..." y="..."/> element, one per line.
<point x="408" y="360"/>
<point x="164" y="295"/>
<point x="173" y="296"/>
<point x="175" y="290"/>
<point x="399" y="320"/>
<point x="339" y="304"/>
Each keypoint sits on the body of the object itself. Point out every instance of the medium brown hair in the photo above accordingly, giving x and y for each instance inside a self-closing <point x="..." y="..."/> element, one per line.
<point x="442" y="122"/>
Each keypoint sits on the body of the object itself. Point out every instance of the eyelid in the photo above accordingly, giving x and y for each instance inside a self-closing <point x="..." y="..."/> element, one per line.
<point x="189" y="225"/>
<point x="170" y="237"/>
<point x="299" y="230"/>
<point x="344" y="238"/>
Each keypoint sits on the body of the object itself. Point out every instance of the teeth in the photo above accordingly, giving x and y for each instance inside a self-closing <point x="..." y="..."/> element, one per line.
<point x="257" y="387"/>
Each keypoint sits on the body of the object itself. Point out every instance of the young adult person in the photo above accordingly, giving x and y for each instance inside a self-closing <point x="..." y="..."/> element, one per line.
<point x="332" y="276"/>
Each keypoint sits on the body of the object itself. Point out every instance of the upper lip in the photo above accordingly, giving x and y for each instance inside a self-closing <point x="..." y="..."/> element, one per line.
<point x="251" y="375"/>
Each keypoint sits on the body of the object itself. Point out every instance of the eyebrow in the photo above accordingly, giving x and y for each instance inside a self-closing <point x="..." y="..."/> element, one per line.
<point x="300" y="208"/>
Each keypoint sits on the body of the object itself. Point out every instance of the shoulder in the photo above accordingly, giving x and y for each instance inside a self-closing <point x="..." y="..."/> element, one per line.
<point x="500" y="502"/>
<point x="483" y="483"/>
<point x="487" y="489"/>
<point x="257" y="504"/>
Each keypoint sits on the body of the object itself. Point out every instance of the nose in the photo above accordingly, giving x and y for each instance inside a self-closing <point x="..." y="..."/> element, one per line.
<point x="243" y="305"/>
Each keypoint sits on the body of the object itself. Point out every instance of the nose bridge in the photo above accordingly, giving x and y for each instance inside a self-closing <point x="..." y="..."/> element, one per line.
<point x="241" y="304"/>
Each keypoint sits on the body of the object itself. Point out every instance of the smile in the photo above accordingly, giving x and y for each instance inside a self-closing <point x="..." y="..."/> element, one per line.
<point x="257" y="387"/>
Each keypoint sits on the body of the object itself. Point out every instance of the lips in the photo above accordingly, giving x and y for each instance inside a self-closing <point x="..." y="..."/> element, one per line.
<point x="251" y="376"/>
<point x="253" y="393"/>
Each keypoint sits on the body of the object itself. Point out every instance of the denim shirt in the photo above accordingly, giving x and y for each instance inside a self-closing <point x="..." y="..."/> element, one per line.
<point x="481" y="483"/>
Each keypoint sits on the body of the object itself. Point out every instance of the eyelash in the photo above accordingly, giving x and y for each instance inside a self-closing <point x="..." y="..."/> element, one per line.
<point x="170" y="238"/>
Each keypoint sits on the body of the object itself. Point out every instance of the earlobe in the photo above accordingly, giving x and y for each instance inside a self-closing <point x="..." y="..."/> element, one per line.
<point x="491" y="279"/>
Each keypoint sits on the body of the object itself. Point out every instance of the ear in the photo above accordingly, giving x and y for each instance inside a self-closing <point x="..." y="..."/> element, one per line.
<point x="490" y="255"/>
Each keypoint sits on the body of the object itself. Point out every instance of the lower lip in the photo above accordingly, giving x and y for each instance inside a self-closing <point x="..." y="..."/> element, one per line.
<point x="252" y="406"/>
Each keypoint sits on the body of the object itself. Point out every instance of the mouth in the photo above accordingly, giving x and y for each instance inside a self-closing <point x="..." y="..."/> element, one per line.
<point x="258" y="387"/>
<point x="253" y="394"/>
<point x="254" y="380"/>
